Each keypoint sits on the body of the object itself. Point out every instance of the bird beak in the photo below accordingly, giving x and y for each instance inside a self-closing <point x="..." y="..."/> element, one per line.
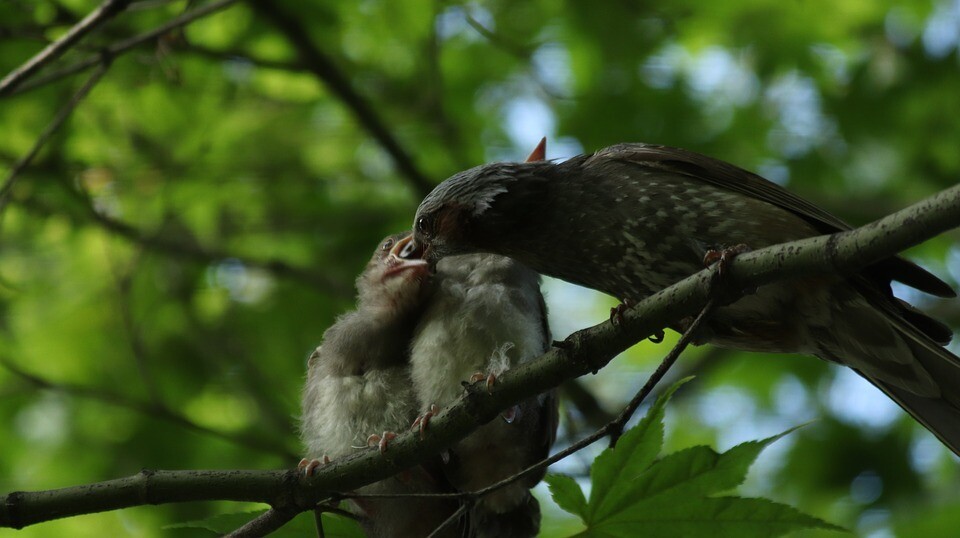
<point x="408" y="249"/>
<point x="404" y="256"/>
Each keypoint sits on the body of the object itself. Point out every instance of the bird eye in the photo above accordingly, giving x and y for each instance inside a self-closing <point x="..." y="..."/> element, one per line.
<point x="387" y="245"/>
<point x="425" y="226"/>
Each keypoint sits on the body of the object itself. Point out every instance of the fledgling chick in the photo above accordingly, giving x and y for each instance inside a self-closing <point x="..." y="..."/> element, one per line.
<point x="358" y="383"/>
<point x="487" y="315"/>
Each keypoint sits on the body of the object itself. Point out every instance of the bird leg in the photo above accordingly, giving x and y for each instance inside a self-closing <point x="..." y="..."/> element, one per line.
<point x="616" y="313"/>
<point x="308" y="467"/>
<point x="424" y="419"/>
<point x="381" y="441"/>
<point x="723" y="258"/>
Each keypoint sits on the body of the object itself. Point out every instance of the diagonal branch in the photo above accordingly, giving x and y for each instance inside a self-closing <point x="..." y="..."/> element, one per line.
<point x="158" y="243"/>
<point x="583" y="352"/>
<point x="106" y="11"/>
<point x="54" y="125"/>
<point x="321" y="65"/>
<point x="126" y="45"/>
<point x="265" y="523"/>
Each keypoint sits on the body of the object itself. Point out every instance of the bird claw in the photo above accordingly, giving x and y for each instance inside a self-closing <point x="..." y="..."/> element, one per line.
<point x="657" y="337"/>
<point x="480" y="376"/>
<point x="306" y="467"/>
<point x="616" y="313"/>
<point x="724" y="258"/>
<point x="423" y="420"/>
<point x="381" y="441"/>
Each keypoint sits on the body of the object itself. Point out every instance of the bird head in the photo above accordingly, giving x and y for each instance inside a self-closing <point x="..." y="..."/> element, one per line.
<point x="461" y="213"/>
<point x="391" y="280"/>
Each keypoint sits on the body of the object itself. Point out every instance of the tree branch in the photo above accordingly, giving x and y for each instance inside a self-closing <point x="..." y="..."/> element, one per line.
<point x="265" y="523"/>
<point x="318" y="63"/>
<point x="124" y="46"/>
<point x="584" y="351"/>
<point x="158" y="243"/>
<point x="106" y="11"/>
<point x="58" y="120"/>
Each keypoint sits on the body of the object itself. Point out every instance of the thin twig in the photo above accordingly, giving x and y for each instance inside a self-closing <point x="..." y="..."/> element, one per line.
<point x="264" y="524"/>
<point x="122" y="47"/>
<point x="615" y="428"/>
<point x="107" y="10"/>
<point x="318" y="520"/>
<point x="124" y="282"/>
<point x="243" y="56"/>
<point x="464" y="506"/>
<point x="323" y="67"/>
<point x="182" y="249"/>
<point x="51" y="128"/>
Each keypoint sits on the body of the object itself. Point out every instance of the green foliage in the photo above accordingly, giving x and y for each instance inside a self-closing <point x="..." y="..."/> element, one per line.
<point x="633" y="493"/>
<point x="178" y="247"/>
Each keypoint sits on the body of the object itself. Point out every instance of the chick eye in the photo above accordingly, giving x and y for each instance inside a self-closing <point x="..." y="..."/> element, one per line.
<point x="425" y="226"/>
<point x="387" y="245"/>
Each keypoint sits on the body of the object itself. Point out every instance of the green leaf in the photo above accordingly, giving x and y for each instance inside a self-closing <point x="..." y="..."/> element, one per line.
<point x="717" y="517"/>
<point x="567" y="493"/>
<point x="633" y="493"/>
<point x="334" y="526"/>
<point x="615" y="468"/>
<point x="699" y="471"/>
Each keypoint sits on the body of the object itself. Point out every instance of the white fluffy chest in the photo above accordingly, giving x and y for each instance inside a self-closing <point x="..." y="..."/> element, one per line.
<point x="485" y="328"/>
<point x="339" y="413"/>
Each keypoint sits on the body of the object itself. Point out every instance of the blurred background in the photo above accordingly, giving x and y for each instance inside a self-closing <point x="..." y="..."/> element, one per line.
<point x="178" y="247"/>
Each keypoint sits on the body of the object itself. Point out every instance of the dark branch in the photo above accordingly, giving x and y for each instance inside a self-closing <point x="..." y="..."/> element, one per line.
<point x="54" y="125"/>
<point x="126" y="45"/>
<point x="198" y="253"/>
<point x="243" y="56"/>
<point x="107" y="10"/>
<point x="584" y="351"/>
<point x="318" y="63"/>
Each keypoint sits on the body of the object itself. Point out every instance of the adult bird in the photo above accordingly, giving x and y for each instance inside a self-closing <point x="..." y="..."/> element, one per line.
<point x="632" y="219"/>
<point x="358" y="384"/>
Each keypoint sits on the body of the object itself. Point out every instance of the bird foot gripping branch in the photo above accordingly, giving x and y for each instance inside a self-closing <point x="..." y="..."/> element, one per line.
<point x="307" y="467"/>
<point x="423" y="420"/>
<point x="381" y="441"/>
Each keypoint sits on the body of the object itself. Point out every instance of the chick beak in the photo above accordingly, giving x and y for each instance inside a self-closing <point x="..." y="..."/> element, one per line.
<point x="408" y="249"/>
<point x="403" y="257"/>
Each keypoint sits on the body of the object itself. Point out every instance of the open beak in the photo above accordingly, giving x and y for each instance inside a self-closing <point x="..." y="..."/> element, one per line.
<point x="408" y="249"/>
<point x="405" y="257"/>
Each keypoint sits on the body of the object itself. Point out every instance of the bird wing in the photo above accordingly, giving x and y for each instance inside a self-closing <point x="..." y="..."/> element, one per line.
<point x="729" y="177"/>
